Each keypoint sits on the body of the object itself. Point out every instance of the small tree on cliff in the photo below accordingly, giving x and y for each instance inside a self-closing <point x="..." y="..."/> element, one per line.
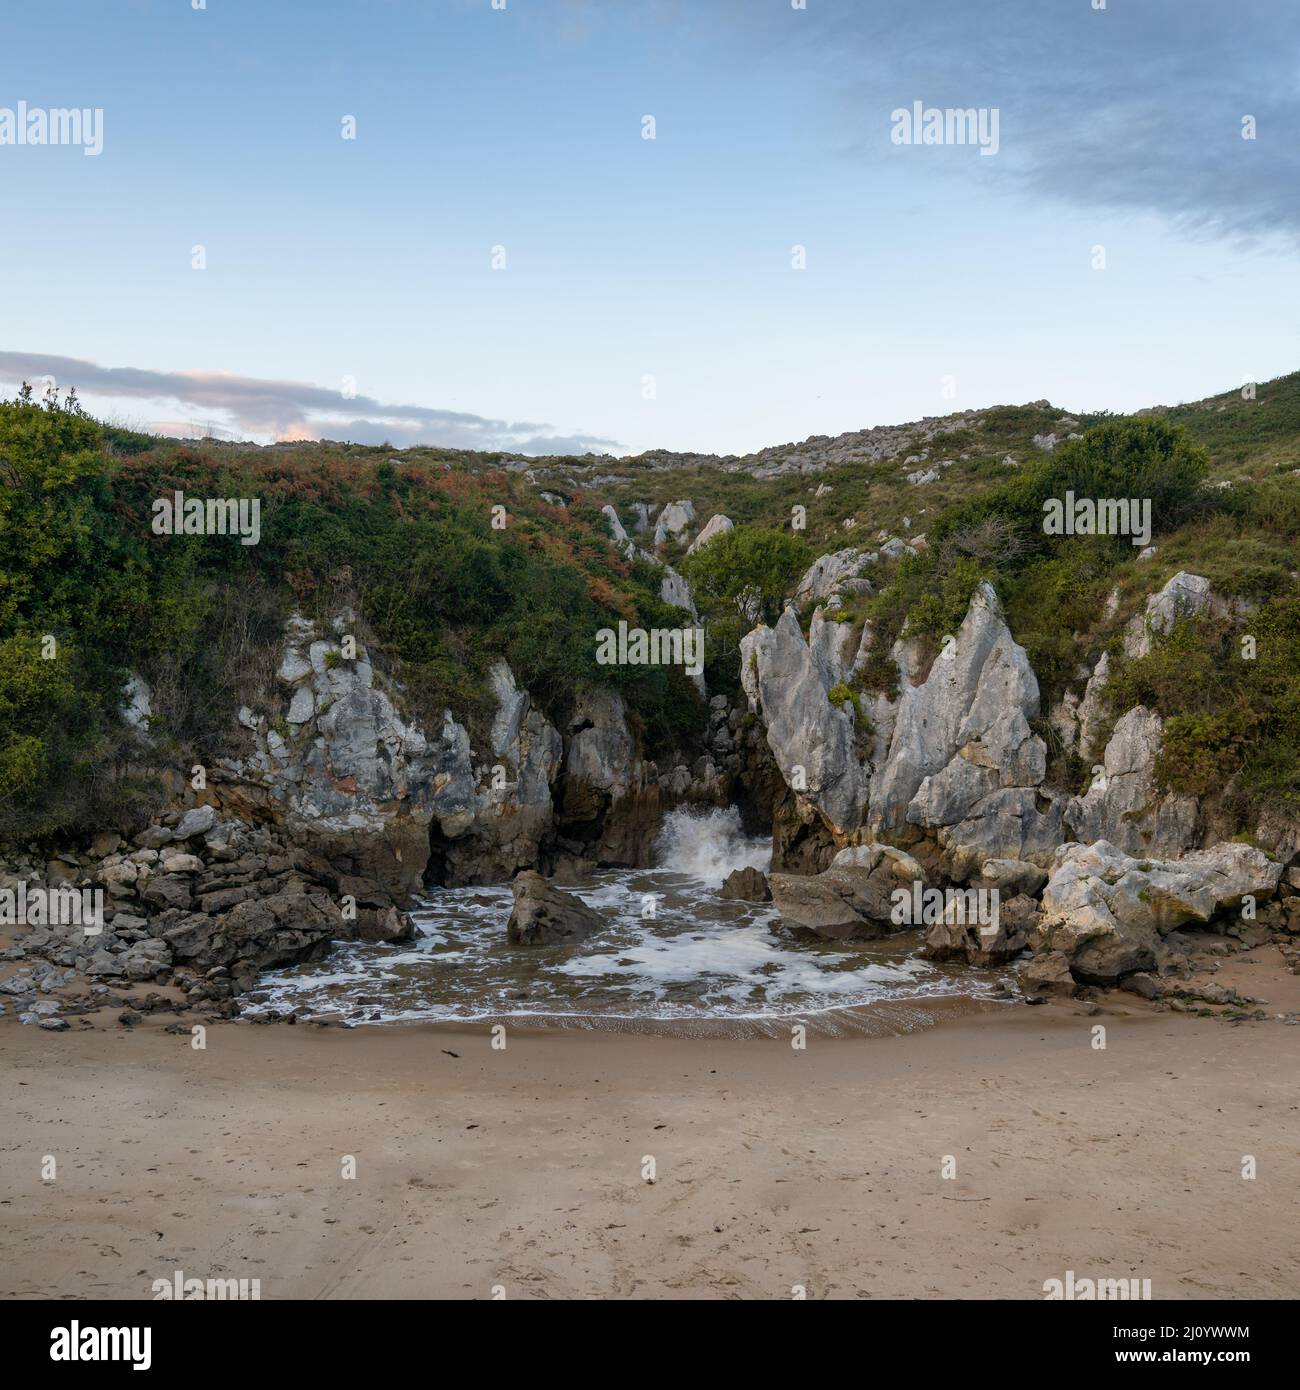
<point x="746" y="573"/>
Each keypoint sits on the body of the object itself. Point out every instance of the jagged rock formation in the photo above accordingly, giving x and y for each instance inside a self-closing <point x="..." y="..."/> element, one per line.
<point x="852" y="898"/>
<point x="611" y="802"/>
<point x="957" y="935"/>
<point x="811" y="739"/>
<point x="962" y="761"/>
<point x="716" y="526"/>
<point x="1107" y="913"/>
<point x="347" y="775"/>
<point x="1124" y="805"/>
<point x="746" y="885"/>
<point x="615" y="525"/>
<point x="673" y="521"/>
<point x="834" y="574"/>
<point x="513" y="809"/>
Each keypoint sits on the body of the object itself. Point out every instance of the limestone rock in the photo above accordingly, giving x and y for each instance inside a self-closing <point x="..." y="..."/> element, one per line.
<point x="673" y="520"/>
<point x="1107" y="912"/>
<point x="615" y="525"/>
<point x="1048" y="973"/>
<point x="717" y="525"/>
<point x="1125" y="805"/>
<point x="836" y="573"/>
<point x="545" y="916"/>
<point x="1184" y="596"/>
<point x="747" y="885"/>
<point x="958" y="936"/>
<point x="851" y="899"/>
<point x="811" y="739"/>
<point x="962" y="760"/>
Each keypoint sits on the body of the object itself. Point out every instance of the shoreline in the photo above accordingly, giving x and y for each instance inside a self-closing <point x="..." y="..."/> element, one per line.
<point x="522" y="1169"/>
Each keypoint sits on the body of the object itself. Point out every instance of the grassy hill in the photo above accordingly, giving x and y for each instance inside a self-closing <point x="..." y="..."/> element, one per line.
<point x="407" y="540"/>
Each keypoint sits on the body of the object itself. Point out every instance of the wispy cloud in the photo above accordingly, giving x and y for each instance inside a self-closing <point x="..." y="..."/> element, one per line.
<point x="1135" y="108"/>
<point x="255" y="408"/>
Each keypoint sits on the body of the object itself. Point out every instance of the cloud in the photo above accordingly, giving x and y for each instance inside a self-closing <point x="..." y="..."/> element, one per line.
<point x="256" y="408"/>
<point x="1134" y="107"/>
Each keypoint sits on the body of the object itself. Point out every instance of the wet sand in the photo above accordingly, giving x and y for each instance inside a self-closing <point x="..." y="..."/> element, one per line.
<point x="522" y="1170"/>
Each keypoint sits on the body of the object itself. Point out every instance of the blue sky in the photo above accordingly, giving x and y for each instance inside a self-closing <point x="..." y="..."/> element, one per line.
<point x="628" y="258"/>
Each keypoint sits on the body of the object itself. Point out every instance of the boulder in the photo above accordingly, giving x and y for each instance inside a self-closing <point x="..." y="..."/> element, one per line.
<point x="747" y="885"/>
<point x="279" y="929"/>
<point x="852" y="898"/>
<point x="146" y="959"/>
<point x="716" y="526"/>
<point x="196" y="821"/>
<point x="1048" y="973"/>
<point x="1011" y="877"/>
<point x="545" y="916"/>
<point x="1107" y="912"/>
<point x="953" y="937"/>
<point x="836" y="573"/>
<point x="167" y="890"/>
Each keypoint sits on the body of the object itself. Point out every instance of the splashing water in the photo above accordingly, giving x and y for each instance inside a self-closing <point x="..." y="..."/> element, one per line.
<point x="708" y="845"/>
<point x="696" y="957"/>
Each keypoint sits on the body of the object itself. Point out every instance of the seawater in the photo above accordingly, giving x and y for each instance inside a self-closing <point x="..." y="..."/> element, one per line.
<point x="699" y="957"/>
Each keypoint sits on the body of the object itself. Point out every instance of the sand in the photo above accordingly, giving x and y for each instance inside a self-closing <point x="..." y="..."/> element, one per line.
<point x="520" y="1172"/>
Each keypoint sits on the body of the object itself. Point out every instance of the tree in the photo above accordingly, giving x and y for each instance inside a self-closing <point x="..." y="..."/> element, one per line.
<point x="746" y="573"/>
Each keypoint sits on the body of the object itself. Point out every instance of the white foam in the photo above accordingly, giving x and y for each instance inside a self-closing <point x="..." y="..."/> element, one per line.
<point x="708" y="845"/>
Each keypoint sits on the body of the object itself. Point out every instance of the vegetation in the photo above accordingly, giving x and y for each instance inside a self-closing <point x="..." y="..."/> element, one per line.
<point x="89" y="596"/>
<point x="739" y="579"/>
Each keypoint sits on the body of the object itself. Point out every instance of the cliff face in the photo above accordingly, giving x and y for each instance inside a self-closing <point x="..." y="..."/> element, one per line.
<point x="952" y="767"/>
<point x="337" y="765"/>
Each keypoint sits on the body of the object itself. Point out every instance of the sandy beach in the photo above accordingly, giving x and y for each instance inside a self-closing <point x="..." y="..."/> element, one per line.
<point x="518" y="1172"/>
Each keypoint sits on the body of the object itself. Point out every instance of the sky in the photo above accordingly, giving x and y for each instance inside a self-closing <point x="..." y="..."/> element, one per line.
<point x="501" y="260"/>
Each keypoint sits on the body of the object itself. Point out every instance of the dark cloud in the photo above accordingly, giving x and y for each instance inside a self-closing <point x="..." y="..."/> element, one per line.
<point x="252" y="406"/>
<point x="1136" y="107"/>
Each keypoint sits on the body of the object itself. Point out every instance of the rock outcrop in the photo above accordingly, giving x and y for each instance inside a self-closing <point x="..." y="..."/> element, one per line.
<point x="348" y="776"/>
<point x="836" y="573"/>
<point x="1124" y="804"/>
<point x="513" y="813"/>
<point x="1184" y="596"/>
<point x="673" y="521"/>
<point x="544" y="916"/>
<point x="208" y="901"/>
<point x="611" y="802"/>
<point x="852" y="898"/>
<point x="957" y="936"/>
<point x="812" y="740"/>
<point x="746" y="885"/>
<point x="716" y="526"/>
<point x="1108" y="913"/>
<point x="962" y="762"/>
